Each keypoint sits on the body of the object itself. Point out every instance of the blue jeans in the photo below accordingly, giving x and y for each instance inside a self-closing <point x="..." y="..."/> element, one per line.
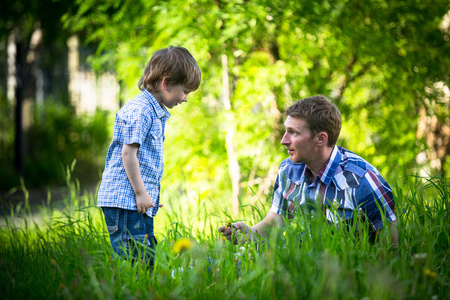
<point x="127" y="230"/>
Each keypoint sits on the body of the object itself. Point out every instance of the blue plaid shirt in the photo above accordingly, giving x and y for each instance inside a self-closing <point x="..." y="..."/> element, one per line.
<point x="346" y="177"/>
<point x="141" y="121"/>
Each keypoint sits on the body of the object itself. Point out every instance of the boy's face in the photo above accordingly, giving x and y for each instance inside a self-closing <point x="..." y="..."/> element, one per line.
<point x="173" y="95"/>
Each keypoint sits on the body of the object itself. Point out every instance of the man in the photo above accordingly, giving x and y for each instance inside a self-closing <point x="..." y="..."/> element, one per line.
<point x="317" y="169"/>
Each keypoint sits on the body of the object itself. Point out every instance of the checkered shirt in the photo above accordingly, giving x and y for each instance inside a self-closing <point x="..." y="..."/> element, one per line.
<point x="346" y="177"/>
<point x="141" y="121"/>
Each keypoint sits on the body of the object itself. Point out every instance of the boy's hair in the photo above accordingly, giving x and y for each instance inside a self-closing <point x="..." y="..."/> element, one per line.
<point x="320" y="114"/>
<point x="176" y="64"/>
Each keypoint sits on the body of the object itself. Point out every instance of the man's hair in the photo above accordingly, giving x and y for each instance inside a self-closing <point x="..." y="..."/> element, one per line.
<point x="176" y="64"/>
<point x="320" y="115"/>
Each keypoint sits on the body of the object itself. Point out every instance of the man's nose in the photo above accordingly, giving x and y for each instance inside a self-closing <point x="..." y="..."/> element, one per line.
<point x="284" y="140"/>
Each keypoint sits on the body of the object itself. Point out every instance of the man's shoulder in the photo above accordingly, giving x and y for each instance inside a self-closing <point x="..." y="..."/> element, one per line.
<point x="355" y="164"/>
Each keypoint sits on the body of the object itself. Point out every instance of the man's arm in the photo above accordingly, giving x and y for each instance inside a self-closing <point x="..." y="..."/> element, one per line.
<point x="262" y="228"/>
<point x="394" y="237"/>
<point x="394" y="232"/>
<point x="376" y="199"/>
<point x="131" y="164"/>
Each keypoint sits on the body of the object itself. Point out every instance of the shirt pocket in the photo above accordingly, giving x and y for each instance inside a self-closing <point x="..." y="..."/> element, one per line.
<point x="156" y="132"/>
<point x="157" y="137"/>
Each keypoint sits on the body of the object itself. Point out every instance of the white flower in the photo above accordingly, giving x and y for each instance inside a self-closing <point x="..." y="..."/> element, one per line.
<point x="360" y="213"/>
<point x="420" y="255"/>
<point x="335" y="205"/>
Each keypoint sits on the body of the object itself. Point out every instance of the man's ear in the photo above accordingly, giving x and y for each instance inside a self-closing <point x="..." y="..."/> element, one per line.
<point x="322" y="139"/>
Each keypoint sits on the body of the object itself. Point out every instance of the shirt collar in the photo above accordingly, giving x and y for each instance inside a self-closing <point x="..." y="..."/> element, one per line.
<point x="161" y="111"/>
<point x="329" y="170"/>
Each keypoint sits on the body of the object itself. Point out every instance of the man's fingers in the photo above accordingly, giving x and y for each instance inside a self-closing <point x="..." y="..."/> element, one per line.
<point x="237" y="226"/>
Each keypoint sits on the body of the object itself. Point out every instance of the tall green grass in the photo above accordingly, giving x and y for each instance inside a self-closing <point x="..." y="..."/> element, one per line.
<point x="64" y="252"/>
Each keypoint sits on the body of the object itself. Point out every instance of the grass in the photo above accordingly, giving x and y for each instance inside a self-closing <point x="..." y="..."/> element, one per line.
<point x="66" y="254"/>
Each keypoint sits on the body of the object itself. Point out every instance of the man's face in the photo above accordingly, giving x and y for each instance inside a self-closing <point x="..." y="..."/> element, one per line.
<point x="298" y="140"/>
<point x="174" y="95"/>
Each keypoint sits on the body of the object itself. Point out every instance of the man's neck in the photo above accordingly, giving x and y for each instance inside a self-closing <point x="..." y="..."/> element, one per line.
<point x="319" y="163"/>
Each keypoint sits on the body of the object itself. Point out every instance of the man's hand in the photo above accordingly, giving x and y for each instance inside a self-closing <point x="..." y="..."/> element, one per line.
<point x="261" y="229"/>
<point x="230" y="232"/>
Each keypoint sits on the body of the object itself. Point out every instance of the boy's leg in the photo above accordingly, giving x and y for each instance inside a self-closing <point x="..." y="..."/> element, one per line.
<point x="142" y="242"/>
<point x="131" y="233"/>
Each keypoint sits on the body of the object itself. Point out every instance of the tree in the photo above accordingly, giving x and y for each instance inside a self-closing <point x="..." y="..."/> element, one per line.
<point x="379" y="61"/>
<point x="34" y="30"/>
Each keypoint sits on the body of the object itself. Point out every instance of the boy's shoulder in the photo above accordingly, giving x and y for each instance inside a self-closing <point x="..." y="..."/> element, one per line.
<point x="137" y="104"/>
<point x="144" y="103"/>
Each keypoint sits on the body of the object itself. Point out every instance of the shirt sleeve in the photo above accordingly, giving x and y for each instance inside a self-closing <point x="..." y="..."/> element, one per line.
<point x="374" y="194"/>
<point x="133" y="126"/>
<point x="280" y="204"/>
<point x="277" y="197"/>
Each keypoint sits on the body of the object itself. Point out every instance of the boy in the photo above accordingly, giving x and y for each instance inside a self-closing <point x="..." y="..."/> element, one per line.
<point x="130" y="187"/>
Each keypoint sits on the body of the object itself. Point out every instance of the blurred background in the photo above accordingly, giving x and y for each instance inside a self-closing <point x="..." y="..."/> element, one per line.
<point x="67" y="66"/>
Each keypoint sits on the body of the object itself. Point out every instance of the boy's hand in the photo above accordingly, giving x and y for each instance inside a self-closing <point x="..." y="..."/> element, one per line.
<point x="144" y="202"/>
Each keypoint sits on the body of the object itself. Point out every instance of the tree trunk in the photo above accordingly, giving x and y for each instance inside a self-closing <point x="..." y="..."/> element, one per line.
<point x="18" y="95"/>
<point x="233" y="164"/>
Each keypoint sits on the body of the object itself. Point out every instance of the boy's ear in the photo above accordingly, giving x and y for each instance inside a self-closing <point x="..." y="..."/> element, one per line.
<point x="164" y="84"/>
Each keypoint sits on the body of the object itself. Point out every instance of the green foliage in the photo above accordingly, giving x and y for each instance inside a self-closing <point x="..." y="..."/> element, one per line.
<point x="379" y="61"/>
<point x="8" y="176"/>
<point x="64" y="252"/>
<point x="57" y="138"/>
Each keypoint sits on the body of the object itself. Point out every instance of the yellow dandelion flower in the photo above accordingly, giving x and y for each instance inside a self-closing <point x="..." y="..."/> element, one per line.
<point x="145" y="239"/>
<point x="228" y="224"/>
<point x="181" y="245"/>
<point x="62" y="285"/>
<point x="430" y="274"/>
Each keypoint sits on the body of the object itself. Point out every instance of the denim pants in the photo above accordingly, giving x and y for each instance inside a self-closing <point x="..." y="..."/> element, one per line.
<point x="127" y="230"/>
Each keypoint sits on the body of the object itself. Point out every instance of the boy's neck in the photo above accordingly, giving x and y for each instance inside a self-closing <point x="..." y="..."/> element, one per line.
<point x="157" y="96"/>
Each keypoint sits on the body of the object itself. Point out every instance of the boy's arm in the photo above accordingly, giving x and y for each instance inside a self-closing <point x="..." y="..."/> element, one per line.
<point x="131" y="164"/>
